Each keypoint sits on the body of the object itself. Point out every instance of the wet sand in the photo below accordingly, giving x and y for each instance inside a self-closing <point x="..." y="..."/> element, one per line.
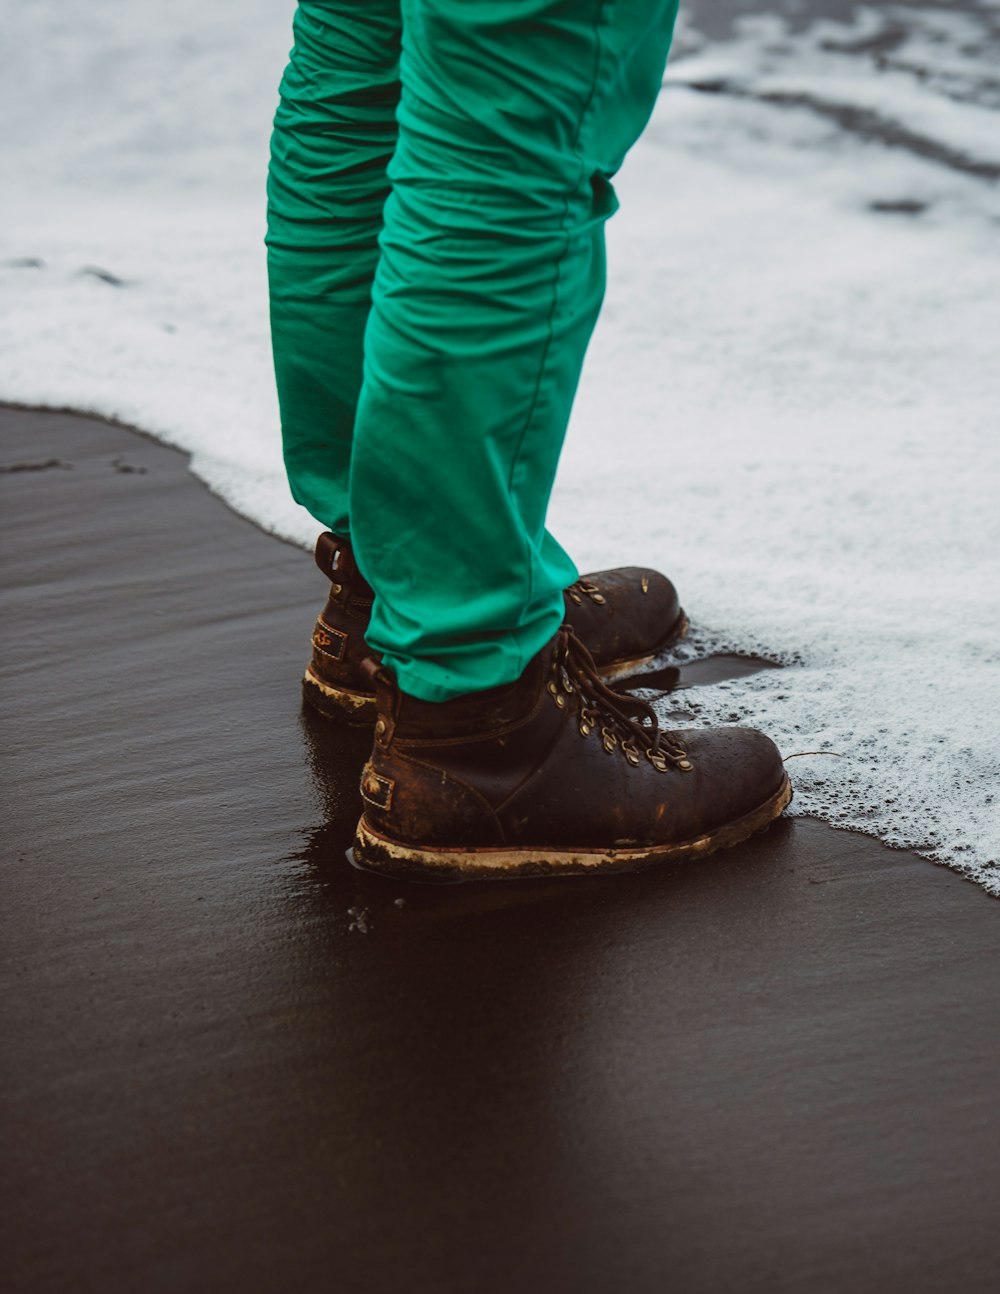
<point x="233" y="1062"/>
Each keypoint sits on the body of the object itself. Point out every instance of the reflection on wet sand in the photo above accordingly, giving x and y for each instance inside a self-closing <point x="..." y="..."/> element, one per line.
<point x="237" y="1062"/>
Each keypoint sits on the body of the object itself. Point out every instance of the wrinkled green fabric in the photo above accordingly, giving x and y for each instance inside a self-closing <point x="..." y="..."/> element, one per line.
<point x="439" y="182"/>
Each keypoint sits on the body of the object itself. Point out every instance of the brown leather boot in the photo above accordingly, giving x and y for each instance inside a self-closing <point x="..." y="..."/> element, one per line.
<point x="335" y="683"/>
<point x="554" y="773"/>
<point x="625" y="617"/>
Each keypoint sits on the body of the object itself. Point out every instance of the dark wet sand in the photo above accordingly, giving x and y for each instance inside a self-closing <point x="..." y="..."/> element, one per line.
<point x="234" y="1063"/>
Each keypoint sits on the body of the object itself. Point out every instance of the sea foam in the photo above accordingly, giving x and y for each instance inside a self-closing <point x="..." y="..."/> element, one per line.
<point x="790" y="403"/>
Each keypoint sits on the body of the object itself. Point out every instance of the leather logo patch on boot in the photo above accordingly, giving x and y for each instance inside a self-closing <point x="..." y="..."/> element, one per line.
<point x="330" y="642"/>
<point x="376" y="789"/>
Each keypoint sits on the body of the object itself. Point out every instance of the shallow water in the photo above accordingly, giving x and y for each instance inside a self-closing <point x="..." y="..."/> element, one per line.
<point x="798" y="348"/>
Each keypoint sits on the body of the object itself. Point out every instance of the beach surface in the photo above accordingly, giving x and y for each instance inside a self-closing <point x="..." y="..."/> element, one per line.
<point x="232" y="1061"/>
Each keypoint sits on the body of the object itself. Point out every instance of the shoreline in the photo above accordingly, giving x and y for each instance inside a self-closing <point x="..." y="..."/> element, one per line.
<point x="235" y="1060"/>
<point x="661" y="676"/>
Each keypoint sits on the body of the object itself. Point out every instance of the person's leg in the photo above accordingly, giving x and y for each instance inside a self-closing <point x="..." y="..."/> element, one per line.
<point x="334" y="133"/>
<point x="514" y="115"/>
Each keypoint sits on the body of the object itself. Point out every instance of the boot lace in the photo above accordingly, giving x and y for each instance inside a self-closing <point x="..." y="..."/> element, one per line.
<point x="625" y="723"/>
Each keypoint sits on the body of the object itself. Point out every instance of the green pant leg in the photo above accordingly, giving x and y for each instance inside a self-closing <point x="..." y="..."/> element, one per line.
<point x="513" y="117"/>
<point x="334" y="133"/>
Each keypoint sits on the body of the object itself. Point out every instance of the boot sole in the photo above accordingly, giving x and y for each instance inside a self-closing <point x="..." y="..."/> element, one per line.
<point x="380" y="854"/>
<point x="358" y="708"/>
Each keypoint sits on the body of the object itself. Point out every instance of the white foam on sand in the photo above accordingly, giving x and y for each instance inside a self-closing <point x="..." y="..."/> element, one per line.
<point x="790" y="403"/>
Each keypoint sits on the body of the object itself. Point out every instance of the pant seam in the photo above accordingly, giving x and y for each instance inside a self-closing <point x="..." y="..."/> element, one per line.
<point x="557" y="277"/>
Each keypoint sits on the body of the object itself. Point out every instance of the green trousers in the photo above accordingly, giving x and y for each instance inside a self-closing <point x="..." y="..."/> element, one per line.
<point x="440" y="177"/>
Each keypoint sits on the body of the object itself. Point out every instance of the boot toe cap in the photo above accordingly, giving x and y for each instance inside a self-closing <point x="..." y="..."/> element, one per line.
<point x="735" y="772"/>
<point x="638" y="613"/>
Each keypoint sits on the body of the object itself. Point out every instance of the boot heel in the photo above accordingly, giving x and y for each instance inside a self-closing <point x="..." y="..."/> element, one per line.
<point x="354" y="708"/>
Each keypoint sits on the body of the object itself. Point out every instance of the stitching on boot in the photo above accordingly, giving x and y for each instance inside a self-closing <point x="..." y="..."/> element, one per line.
<point x="377" y="790"/>
<point x="328" y="641"/>
<point x="451" y="779"/>
<point x="419" y="744"/>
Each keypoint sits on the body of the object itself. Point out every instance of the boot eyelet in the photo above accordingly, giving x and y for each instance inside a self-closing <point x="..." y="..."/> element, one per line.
<point x="591" y="590"/>
<point x="608" y="740"/>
